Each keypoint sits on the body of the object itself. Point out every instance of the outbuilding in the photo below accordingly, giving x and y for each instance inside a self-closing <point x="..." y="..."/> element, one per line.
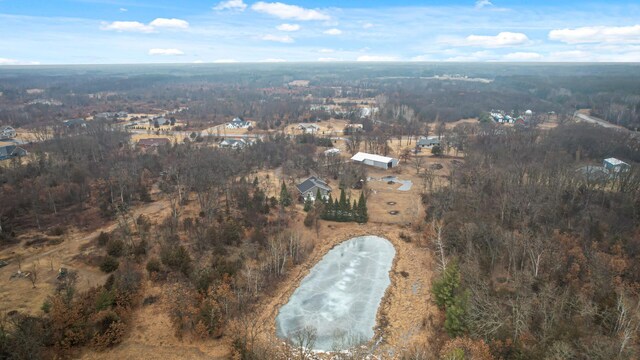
<point x="615" y="165"/>
<point x="378" y="161"/>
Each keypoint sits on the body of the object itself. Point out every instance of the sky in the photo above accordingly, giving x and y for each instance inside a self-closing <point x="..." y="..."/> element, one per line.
<point x="36" y="32"/>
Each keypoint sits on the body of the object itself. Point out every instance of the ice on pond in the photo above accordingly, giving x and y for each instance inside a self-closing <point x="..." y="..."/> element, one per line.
<point x="340" y="296"/>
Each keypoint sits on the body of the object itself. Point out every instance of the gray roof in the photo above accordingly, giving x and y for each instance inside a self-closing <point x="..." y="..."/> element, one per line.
<point x="9" y="151"/>
<point x="74" y="122"/>
<point x="312" y="182"/>
<point x="428" y="141"/>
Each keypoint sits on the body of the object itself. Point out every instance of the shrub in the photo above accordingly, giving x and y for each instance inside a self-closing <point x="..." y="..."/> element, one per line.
<point x="103" y="238"/>
<point x="109" y="264"/>
<point x="154" y="266"/>
<point x="56" y="231"/>
<point x="177" y="258"/>
<point x="115" y="247"/>
<point x="308" y="220"/>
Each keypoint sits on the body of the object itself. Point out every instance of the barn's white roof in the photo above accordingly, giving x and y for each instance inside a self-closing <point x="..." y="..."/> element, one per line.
<point x="364" y="156"/>
<point x="614" y="161"/>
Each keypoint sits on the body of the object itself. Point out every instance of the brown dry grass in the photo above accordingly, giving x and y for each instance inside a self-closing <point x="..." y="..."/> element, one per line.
<point x="18" y="294"/>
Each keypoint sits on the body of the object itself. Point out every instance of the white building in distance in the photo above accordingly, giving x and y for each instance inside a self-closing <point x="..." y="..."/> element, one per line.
<point x="379" y="161"/>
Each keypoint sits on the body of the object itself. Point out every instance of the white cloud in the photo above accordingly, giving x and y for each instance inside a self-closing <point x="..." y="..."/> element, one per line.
<point x="225" y="61"/>
<point x="367" y="26"/>
<point x="285" y="11"/>
<point x="165" y="52"/>
<point x="502" y="39"/>
<point x="333" y="31"/>
<point x="273" y="60"/>
<point x="277" y="38"/>
<point x="5" y="61"/>
<point x="482" y="3"/>
<point x="136" y="26"/>
<point x="198" y="62"/>
<point x="328" y="59"/>
<point x="124" y="9"/>
<point x="595" y="34"/>
<point x="475" y="56"/>
<point x="326" y="51"/>
<point x="288" y="27"/>
<point x="238" y="5"/>
<point x="377" y="58"/>
<point x="169" y="23"/>
<point x="522" y="56"/>
<point x="129" y="26"/>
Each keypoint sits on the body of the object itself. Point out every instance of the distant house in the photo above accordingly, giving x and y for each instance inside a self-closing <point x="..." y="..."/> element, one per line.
<point x="367" y="112"/>
<point x="332" y="152"/>
<point x="75" y="123"/>
<point x="7" y="132"/>
<point x="233" y="143"/>
<point x="8" y="151"/>
<point x="153" y="142"/>
<point x="238" y="123"/>
<point x="309" y="128"/>
<point x="352" y="128"/>
<point x="111" y="115"/>
<point x="615" y="165"/>
<point x="161" y="121"/>
<point x="378" y="161"/>
<point x="428" y="141"/>
<point x="310" y="187"/>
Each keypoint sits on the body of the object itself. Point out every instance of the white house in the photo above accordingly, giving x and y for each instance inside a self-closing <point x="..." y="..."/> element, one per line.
<point x="379" y="161"/>
<point x="309" y="128"/>
<point x="233" y="143"/>
<point x="238" y="123"/>
<point x="7" y="132"/>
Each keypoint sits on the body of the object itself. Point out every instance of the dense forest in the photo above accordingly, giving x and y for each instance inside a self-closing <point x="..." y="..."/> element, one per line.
<point x="535" y="259"/>
<point x="214" y="94"/>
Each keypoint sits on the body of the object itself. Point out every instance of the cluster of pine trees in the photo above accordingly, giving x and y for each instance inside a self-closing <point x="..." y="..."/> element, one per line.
<point x="342" y="210"/>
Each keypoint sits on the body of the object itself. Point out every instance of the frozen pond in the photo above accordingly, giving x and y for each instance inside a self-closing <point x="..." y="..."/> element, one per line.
<point x="340" y="296"/>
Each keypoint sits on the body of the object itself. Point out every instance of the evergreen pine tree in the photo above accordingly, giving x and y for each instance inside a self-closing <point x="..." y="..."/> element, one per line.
<point x="353" y="213"/>
<point x="363" y="216"/>
<point x="285" y="198"/>
<point x="326" y="213"/>
<point x="343" y="206"/>
<point x="308" y="204"/>
<point x="319" y="196"/>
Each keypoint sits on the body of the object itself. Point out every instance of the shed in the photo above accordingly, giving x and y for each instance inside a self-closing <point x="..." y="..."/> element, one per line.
<point x="378" y="161"/>
<point x="615" y="165"/>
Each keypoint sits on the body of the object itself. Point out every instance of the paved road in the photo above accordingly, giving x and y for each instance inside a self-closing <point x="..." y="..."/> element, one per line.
<point x="594" y="120"/>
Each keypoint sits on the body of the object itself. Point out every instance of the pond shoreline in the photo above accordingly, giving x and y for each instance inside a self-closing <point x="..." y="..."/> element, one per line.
<point x="400" y="319"/>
